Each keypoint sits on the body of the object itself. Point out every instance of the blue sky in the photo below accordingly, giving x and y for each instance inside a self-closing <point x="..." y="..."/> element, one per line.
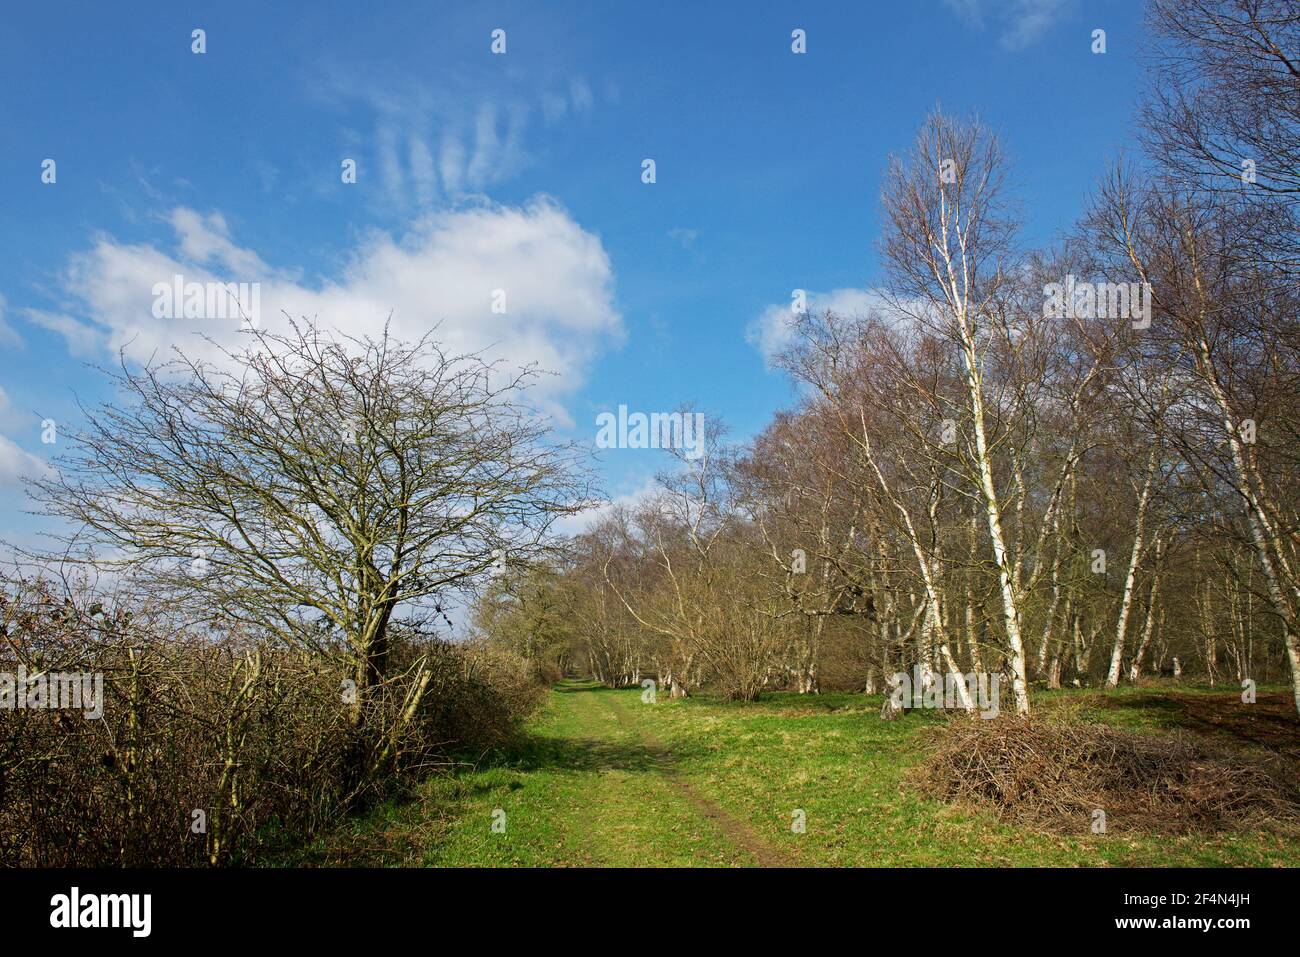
<point x="519" y="171"/>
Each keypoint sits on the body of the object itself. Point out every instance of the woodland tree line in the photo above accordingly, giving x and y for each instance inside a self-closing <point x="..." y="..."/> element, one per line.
<point x="970" y="481"/>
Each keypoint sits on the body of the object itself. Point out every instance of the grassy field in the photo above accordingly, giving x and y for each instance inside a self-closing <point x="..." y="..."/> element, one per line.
<point x="603" y="779"/>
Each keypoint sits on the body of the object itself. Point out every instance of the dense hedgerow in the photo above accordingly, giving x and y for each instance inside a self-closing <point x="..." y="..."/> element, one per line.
<point x="216" y="748"/>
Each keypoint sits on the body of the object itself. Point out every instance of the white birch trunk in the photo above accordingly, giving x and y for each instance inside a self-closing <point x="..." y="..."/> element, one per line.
<point x="1126" y="600"/>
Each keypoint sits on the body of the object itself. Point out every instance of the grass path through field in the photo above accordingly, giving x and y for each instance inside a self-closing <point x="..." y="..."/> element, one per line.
<point x="602" y="779"/>
<point x="735" y="830"/>
<point x="590" y="787"/>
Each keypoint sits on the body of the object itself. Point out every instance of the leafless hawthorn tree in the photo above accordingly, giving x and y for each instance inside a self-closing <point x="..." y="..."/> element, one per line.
<point x="315" y="486"/>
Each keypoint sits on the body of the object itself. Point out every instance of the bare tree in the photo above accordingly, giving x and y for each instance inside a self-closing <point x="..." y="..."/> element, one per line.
<point x="947" y="249"/>
<point x="1222" y="114"/>
<point x="314" y="487"/>
<point x="1226" y="334"/>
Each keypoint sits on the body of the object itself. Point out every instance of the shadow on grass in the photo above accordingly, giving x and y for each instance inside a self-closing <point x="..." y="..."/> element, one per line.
<point x="574" y="685"/>
<point x="585" y="755"/>
<point x="1165" y="705"/>
<point x="550" y="752"/>
<point x="1268" y="723"/>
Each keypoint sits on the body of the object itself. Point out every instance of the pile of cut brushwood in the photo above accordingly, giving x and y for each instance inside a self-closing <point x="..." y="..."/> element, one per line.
<point x="1056" y="775"/>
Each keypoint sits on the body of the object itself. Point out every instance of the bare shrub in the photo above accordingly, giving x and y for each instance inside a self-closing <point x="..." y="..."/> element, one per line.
<point x="480" y="694"/>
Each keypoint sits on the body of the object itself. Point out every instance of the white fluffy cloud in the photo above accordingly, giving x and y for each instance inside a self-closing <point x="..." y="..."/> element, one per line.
<point x="554" y="277"/>
<point x="581" y="521"/>
<point x="15" y="464"/>
<point x="772" y="331"/>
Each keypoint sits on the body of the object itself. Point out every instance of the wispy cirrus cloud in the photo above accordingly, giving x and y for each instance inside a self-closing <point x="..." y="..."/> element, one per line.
<point x="1020" y="23"/>
<point x="421" y="161"/>
<point x="684" y="237"/>
<point x="8" y="335"/>
<point x="433" y="146"/>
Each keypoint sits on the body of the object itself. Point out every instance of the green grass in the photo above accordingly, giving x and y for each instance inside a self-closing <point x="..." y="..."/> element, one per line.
<point x="603" y="779"/>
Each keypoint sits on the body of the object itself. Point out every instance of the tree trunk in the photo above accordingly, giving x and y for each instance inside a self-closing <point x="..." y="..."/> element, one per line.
<point x="1126" y="600"/>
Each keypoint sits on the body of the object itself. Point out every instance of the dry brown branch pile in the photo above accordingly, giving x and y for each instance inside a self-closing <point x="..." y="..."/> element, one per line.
<point x="1055" y="775"/>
